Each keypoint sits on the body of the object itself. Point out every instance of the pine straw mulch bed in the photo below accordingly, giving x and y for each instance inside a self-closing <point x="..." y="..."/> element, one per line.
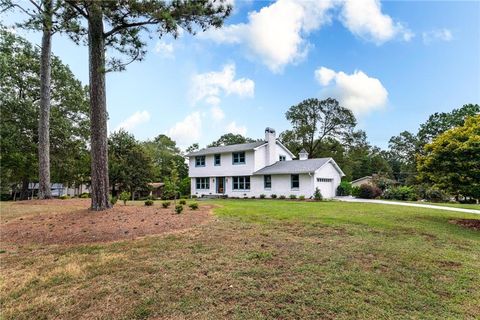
<point x="80" y="225"/>
<point x="467" y="223"/>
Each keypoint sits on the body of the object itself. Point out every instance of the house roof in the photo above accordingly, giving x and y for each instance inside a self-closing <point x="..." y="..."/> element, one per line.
<point x="297" y="166"/>
<point x="156" y="184"/>
<point x="362" y="178"/>
<point x="225" y="149"/>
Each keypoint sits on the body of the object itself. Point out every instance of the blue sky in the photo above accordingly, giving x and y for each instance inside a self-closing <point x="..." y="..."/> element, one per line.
<point x="393" y="63"/>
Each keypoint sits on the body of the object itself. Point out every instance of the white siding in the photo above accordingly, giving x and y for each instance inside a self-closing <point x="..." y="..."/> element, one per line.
<point x="225" y="168"/>
<point x="328" y="189"/>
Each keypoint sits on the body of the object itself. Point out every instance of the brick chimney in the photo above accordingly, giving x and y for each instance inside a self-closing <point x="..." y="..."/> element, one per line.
<point x="271" y="139"/>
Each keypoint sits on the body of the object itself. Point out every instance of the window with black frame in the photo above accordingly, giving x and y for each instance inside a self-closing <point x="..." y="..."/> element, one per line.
<point x="295" y="181"/>
<point x="238" y="158"/>
<point x="200" y="161"/>
<point x="241" y="183"/>
<point x="217" y="159"/>
<point x="202" y="183"/>
<point x="267" y="182"/>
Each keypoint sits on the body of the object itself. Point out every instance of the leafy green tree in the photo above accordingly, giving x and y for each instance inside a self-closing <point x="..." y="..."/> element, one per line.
<point x="192" y="148"/>
<point x="440" y="122"/>
<point x="119" y="25"/>
<point x="172" y="183"/>
<point x="314" y="120"/>
<point x="405" y="148"/>
<point x="20" y="100"/>
<point x="451" y="160"/>
<point x="130" y="166"/>
<point x="163" y="150"/>
<point x="229" y="139"/>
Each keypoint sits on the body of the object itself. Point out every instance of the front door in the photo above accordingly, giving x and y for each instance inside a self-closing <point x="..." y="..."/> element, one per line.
<point x="220" y="184"/>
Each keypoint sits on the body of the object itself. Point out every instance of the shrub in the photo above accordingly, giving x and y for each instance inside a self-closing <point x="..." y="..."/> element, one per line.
<point x="193" y="206"/>
<point x="262" y="196"/>
<point x="344" y="189"/>
<point x="292" y="196"/>
<point x="435" y="195"/>
<point x="166" y="204"/>
<point x="64" y="197"/>
<point x="183" y="202"/>
<point x="125" y="196"/>
<point x="85" y="195"/>
<point x="282" y="197"/>
<point x="369" y="192"/>
<point x="273" y="196"/>
<point x="403" y="193"/>
<point x="113" y="200"/>
<point x="355" y="191"/>
<point x="302" y="197"/>
<point x="149" y="203"/>
<point x="194" y="196"/>
<point x="178" y="209"/>
<point x="317" y="195"/>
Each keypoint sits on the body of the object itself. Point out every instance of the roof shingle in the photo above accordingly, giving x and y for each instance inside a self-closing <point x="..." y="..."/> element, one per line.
<point x="293" y="166"/>
<point x="225" y="149"/>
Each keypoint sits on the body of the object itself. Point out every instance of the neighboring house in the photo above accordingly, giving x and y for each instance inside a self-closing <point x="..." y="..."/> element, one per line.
<point x="59" y="189"/>
<point x="263" y="167"/>
<point x="156" y="189"/>
<point x="362" y="180"/>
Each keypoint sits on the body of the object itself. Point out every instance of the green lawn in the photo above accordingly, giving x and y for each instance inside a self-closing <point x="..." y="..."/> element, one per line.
<point x="453" y="205"/>
<point x="261" y="259"/>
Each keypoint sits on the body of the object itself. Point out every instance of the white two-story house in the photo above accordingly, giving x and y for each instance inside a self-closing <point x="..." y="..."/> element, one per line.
<point x="263" y="167"/>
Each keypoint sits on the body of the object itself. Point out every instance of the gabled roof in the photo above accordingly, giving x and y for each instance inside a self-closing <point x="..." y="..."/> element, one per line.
<point x="362" y="178"/>
<point x="226" y="149"/>
<point x="297" y="166"/>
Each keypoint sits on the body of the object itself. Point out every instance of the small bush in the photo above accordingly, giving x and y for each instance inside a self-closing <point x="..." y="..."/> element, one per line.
<point x="344" y="189"/>
<point x="149" y="203"/>
<point x="292" y="196"/>
<point x="317" y="195"/>
<point x="85" y="195"/>
<point x="194" y="196"/>
<point x="355" y="191"/>
<point x="403" y="193"/>
<point x="113" y="200"/>
<point x="64" y="197"/>
<point x="435" y="195"/>
<point x="369" y="192"/>
<point x="178" y="209"/>
<point x="282" y="197"/>
<point x="183" y="202"/>
<point x="302" y="197"/>
<point x="252" y="197"/>
<point x="273" y="196"/>
<point x="184" y="197"/>
<point x="166" y="204"/>
<point x="193" y="206"/>
<point x="262" y="196"/>
<point x="125" y="196"/>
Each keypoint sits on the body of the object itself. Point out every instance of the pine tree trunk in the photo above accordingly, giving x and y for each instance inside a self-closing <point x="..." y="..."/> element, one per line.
<point x="98" y="108"/>
<point x="44" y="190"/>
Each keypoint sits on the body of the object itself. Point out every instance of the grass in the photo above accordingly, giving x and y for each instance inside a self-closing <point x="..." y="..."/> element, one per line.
<point x="260" y="259"/>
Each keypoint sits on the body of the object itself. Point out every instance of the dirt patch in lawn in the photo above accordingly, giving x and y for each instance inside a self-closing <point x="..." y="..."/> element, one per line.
<point x="85" y="226"/>
<point x="467" y="223"/>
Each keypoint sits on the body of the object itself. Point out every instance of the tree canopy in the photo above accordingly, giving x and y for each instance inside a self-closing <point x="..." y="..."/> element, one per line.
<point x="451" y="160"/>
<point x="229" y="139"/>
<point x="19" y="100"/>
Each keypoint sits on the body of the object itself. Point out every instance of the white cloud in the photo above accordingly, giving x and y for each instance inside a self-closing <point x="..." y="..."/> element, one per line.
<point x="188" y="130"/>
<point x="217" y="113"/>
<point x="134" y="120"/>
<point x="357" y="91"/>
<point x="364" y="18"/>
<point x="232" y="127"/>
<point x="164" y="49"/>
<point x="437" y="35"/>
<point x="210" y="86"/>
<point x="277" y="34"/>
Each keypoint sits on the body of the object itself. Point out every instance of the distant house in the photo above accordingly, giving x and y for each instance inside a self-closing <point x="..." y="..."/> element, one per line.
<point x="363" y="180"/>
<point x="156" y="189"/>
<point x="59" y="189"/>
<point x="263" y="167"/>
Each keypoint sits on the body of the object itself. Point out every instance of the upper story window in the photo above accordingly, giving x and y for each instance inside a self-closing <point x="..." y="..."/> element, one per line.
<point x="267" y="182"/>
<point x="241" y="183"/>
<point x="283" y="158"/>
<point x="238" y="158"/>
<point x="200" y="161"/>
<point x="295" y="181"/>
<point x="202" y="183"/>
<point x="217" y="160"/>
